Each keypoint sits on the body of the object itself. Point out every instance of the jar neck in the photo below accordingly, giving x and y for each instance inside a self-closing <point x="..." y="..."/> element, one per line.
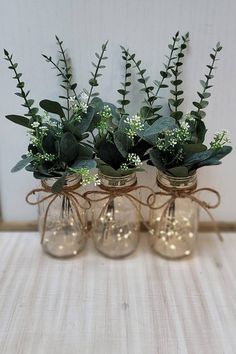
<point x="117" y="182"/>
<point x="176" y="182"/>
<point x="70" y="180"/>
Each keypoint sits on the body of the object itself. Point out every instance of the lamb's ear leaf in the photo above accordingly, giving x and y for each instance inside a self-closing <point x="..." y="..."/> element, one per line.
<point x="123" y="143"/>
<point x="194" y="147"/>
<point x="86" y="120"/>
<point x="180" y="171"/>
<point x="155" y="159"/>
<point x="21" y="120"/>
<point x="109" y="153"/>
<point x="222" y="152"/>
<point x="89" y="164"/>
<point x="107" y="170"/>
<point x="150" y="132"/>
<point x="97" y="104"/>
<point x="58" y="185"/>
<point x="68" y="147"/>
<point x="197" y="157"/>
<point x="52" y="107"/>
<point x="201" y="130"/>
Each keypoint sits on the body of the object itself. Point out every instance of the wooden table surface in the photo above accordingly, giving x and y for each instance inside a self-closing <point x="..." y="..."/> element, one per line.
<point x="140" y="305"/>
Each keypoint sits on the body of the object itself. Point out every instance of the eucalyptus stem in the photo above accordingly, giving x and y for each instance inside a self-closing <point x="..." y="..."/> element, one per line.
<point x="124" y="101"/>
<point x="164" y="74"/>
<point x="208" y="77"/>
<point x="28" y="103"/>
<point x="142" y="80"/>
<point x="199" y="113"/>
<point x="177" y="100"/>
<point x="66" y="76"/>
<point x="93" y="81"/>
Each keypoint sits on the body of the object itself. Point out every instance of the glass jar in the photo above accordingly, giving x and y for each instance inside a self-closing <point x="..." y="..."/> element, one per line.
<point x="115" y="217"/>
<point x="63" y="226"/>
<point x="174" y="224"/>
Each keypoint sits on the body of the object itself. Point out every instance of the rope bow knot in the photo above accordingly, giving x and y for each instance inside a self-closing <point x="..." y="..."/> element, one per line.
<point x="68" y="192"/>
<point x="110" y="193"/>
<point x="189" y="193"/>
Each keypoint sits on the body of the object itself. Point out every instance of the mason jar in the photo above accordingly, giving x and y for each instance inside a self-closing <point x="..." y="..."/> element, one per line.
<point x="116" y="216"/>
<point x="174" y="221"/>
<point x="63" y="223"/>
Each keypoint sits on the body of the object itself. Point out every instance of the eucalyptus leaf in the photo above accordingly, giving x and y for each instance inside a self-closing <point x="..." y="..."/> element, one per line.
<point x="68" y="147"/>
<point x="52" y="107"/>
<point x="21" y="120"/>
<point x="58" y="185"/>
<point x="21" y="164"/>
<point x="97" y="104"/>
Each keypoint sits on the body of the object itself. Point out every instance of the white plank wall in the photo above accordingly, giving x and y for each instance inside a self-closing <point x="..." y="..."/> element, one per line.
<point x="28" y="28"/>
<point x="140" y="305"/>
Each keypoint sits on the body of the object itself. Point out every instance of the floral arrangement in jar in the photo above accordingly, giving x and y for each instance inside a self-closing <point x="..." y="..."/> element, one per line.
<point x="120" y="151"/>
<point x="178" y="151"/>
<point x="59" y="155"/>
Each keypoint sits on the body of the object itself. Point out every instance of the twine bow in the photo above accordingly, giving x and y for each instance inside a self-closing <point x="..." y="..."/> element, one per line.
<point x="110" y="193"/>
<point x="67" y="191"/>
<point x="189" y="193"/>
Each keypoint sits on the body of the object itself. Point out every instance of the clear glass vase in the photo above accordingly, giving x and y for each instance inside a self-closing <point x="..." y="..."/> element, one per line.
<point x="116" y="219"/>
<point x="174" y="226"/>
<point x="63" y="226"/>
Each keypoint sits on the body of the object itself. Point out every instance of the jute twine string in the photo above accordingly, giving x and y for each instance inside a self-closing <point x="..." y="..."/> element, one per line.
<point x="109" y="194"/>
<point x="189" y="193"/>
<point x="67" y="191"/>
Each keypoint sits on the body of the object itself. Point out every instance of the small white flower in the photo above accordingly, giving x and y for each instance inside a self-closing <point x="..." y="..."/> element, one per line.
<point x="86" y="176"/>
<point x="134" y="159"/>
<point x="219" y="140"/>
<point x="35" y="124"/>
<point x="184" y="125"/>
<point x="105" y="116"/>
<point x="43" y="128"/>
<point x="124" y="167"/>
<point x="135" y="124"/>
<point x="34" y="140"/>
<point x="83" y="106"/>
<point x="83" y="96"/>
<point x="72" y="99"/>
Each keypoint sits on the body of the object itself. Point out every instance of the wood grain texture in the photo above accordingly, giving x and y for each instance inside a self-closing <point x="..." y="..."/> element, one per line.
<point x="139" y="305"/>
<point x="204" y="226"/>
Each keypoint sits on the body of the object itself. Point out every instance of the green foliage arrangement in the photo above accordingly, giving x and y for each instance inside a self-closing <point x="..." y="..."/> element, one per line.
<point x="117" y="140"/>
<point x="178" y="139"/>
<point x="58" y="133"/>
<point x="173" y="142"/>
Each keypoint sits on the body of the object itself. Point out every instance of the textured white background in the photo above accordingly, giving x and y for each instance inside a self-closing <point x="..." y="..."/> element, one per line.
<point x="28" y="28"/>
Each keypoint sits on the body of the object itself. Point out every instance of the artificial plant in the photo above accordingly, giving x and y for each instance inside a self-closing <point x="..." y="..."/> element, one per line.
<point x="58" y="132"/>
<point x="177" y="138"/>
